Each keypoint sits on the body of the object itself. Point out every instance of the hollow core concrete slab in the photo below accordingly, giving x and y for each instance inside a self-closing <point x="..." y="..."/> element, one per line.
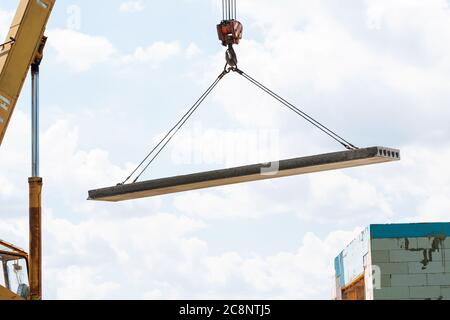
<point x="262" y="171"/>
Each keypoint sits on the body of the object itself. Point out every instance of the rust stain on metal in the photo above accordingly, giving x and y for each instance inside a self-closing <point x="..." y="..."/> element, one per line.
<point x="35" y="185"/>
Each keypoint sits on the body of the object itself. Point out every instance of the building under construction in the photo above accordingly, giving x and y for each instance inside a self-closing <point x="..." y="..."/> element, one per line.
<point x="384" y="262"/>
<point x="396" y="262"/>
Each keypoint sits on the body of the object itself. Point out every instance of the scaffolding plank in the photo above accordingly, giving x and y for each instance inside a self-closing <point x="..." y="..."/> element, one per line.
<point x="262" y="171"/>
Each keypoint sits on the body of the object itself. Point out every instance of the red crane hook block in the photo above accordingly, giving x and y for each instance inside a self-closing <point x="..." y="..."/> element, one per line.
<point x="230" y="32"/>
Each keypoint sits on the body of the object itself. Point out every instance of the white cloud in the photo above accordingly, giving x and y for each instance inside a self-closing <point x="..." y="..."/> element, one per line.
<point x="6" y="187"/>
<point x="161" y="251"/>
<point x="136" y="254"/>
<point x="78" y="50"/>
<point x="131" y="6"/>
<point x="314" y="53"/>
<point x="64" y="161"/>
<point x="357" y="199"/>
<point x="435" y="209"/>
<point x="330" y="197"/>
<point x="15" y="165"/>
<point x="232" y="202"/>
<point x="318" y="50"/>
<point x="138" y="247"/>
<point x="277" y="273"/>
<point x="80" y="283"/>
<point x="420" y="183"/>
<point x="193" y="50"/>
<point x="424" y="38"/>
<point x="62" y="158"/>
<point x="86" y="261"/>
<point x="155" y="54"/>
<point x="396" y="15"/>
<point x="304" y="274"/>
<point x="414" y="189"/>
<point x="14" y="231"/>
<point x="5" y="21"/>
<point x="82" y="51"/>
<point x="249" y="106"/>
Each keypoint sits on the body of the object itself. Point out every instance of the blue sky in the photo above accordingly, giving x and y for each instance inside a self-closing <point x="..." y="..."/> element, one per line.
<point x="117" y="74"/>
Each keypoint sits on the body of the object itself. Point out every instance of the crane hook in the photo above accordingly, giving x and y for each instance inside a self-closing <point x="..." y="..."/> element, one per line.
<point x="231" y="57"/>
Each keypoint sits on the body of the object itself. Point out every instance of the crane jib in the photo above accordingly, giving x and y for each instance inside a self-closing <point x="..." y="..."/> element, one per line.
<point x="18" y="53"/>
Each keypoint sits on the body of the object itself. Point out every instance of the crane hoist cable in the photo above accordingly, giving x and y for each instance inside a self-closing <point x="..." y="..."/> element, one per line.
<point x="228" y="10"/>
<point x="301" y="113"/>
<point x="230" y="33"/>
<point x="174" y="130"/>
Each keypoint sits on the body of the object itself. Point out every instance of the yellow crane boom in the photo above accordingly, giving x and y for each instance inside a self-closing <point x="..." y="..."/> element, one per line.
<point x="23" y="49"/>
<point x="19" y="52"/>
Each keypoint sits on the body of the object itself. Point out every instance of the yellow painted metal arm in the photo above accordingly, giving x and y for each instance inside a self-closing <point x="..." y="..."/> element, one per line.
<point x="12" y="248"/>
<point x="5" y="294"/>
<point x="27" y="31"/>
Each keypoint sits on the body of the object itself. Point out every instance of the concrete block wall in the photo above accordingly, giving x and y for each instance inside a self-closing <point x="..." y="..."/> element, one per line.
<point x="399" y="262"/>
<point x="411" y="267"/>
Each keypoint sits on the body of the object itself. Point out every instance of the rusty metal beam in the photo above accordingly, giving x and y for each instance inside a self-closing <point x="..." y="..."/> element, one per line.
<point x="35" y="185"/>
<point x="284" y="168"/>
<point x="13" y="248"/>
